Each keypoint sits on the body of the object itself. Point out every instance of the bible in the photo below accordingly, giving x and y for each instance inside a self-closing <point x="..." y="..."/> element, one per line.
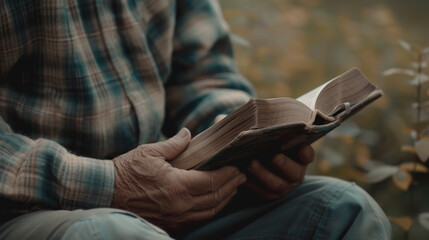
<point x="280" y="123"/>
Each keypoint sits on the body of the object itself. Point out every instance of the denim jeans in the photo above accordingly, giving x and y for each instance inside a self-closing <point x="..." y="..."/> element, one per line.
<point x="321" y="208"/>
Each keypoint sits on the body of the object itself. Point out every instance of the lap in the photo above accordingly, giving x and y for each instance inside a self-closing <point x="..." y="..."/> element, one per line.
<point x="321" y="208"/>
<point x="101" y="223"/>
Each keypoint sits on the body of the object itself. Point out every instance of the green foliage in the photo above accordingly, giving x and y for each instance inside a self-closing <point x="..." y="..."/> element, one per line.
<point x="404" y="176"/>
<point x="288" y="47"/>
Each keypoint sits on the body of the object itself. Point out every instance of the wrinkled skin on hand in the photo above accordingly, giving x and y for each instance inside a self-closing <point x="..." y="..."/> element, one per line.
<point x="147" y="185"/>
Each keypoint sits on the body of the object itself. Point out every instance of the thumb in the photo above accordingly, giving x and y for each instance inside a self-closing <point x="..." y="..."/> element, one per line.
<point x="175" y="145"/>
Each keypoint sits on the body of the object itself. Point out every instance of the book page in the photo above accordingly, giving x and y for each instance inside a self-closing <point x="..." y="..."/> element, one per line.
<point x="310" y="98"/>
<point x="347" y="89"/>
<point x="330" y="97"/>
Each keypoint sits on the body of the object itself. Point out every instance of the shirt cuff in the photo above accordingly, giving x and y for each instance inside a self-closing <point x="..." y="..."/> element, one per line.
<point x="86" y="182"/>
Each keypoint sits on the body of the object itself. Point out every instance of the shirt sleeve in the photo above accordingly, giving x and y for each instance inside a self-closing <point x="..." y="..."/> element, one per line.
<point x="204" y="81"/>
<point x="42" y="173"/>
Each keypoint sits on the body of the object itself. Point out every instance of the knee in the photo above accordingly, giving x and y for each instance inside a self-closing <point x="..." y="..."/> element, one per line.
<point x="352" y="209"/>
<point x="112" y="224"/>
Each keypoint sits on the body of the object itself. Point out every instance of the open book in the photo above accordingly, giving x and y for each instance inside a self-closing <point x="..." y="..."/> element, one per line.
<point x="285" y="123"/>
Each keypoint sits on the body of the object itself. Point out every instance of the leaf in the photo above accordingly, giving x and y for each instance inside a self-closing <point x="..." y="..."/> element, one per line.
<point x="416" y="64"/>
<point x="422" y="149"/>
<point x="423" y="104"/>
<point x="408" y="149"/>
<point x="413" y="167"/>
<point x="424" y="220"/>
<point x="404" y="223"/>
<point x="370" y="164"/>
<point x="405" y="45"/>
<point x="419" y="79"/>
<point x="402" y="180"/>
<point x="392" y="71"/>
<point x="239" y="40"/>
<point x="380" y="173"/>
<point x="408" y="47"/>
<point x="414" y="82"/>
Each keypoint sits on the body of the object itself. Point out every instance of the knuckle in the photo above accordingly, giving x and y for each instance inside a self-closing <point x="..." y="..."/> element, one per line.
<point x="147" y="150"/>
<point x="216" y="198"/>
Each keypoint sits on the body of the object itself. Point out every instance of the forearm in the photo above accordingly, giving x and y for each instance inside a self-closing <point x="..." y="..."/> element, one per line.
<point x="41" y="172"/>
<point x="205" y="81"/>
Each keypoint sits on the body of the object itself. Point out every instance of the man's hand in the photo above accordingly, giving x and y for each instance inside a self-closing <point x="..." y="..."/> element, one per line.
<point x="146" y="184"/>
<point x="284" y="174"/>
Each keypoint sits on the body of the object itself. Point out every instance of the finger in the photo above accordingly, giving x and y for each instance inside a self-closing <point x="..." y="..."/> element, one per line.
<point x="209" y="213"/>
<point x="215" y="198"/>
<point x="204" y="182"/>
<point x="306" y="154"/>
<point x="288" y="168"/>
<point x="262" y="192"/>
<point x="270" y="180"/>
<point x="172" y="147"/>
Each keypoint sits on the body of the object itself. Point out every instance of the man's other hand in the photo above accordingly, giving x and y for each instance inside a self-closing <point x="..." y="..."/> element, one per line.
<point x="146" y="184"/>
<point x="283" y="174"/>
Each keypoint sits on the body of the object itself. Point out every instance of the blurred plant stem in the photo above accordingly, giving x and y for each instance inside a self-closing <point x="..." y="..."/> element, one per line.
<point x="419" y="101"/>
<point x="420" y="144"/>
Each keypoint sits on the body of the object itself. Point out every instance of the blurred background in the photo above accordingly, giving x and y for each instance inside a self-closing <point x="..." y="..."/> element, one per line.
<point x="286" y="48"/>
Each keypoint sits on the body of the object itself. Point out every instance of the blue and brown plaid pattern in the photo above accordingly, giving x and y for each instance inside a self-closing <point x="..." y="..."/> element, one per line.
<point x="82" y="81"/>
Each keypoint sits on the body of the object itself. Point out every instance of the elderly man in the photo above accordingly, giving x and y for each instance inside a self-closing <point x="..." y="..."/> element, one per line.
<point x="86" y="90"/>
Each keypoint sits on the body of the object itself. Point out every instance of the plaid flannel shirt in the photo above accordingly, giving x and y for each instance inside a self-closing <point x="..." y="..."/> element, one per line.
<point x="83" y="81"/>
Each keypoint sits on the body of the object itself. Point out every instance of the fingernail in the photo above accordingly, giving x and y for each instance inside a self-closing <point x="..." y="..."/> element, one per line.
<point x="183" y="133"/>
